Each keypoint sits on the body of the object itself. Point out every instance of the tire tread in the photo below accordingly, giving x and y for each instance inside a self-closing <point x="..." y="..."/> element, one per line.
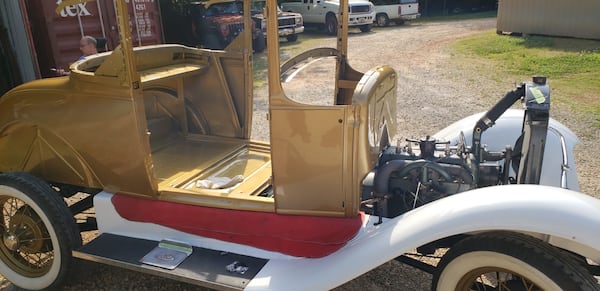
<point x="55" y="209"/>
<point x="566" y="272"/>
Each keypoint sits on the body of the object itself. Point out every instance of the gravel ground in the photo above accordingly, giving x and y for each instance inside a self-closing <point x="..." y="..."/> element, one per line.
<point x="434" y="91"/>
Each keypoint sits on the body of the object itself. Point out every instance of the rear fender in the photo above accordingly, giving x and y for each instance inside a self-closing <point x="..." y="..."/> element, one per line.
<point x="557" y="214"/>
<point x="37" y="149"/>
<point x="558" y="168"/>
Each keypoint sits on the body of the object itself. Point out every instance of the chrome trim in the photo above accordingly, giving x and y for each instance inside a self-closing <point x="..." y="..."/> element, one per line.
<point x="565" y="160"/>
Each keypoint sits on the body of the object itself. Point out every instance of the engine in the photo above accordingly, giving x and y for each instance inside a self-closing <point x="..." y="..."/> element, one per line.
<point x="424" y="170"/>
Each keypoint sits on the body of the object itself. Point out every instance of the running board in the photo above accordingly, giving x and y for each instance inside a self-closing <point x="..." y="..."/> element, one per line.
<point x="208" y="268"/>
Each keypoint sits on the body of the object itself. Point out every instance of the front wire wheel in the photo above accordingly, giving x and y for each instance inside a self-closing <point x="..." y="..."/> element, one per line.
<point x="509" y="261"/>
<point x="38" y="232"/>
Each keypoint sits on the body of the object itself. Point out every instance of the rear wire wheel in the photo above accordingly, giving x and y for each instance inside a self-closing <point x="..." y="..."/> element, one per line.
<point x="38" y="232"/>
<point x="509" y="261"/>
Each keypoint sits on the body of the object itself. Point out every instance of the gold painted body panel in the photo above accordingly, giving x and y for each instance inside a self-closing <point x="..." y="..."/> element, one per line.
<point x="154" y="120"/>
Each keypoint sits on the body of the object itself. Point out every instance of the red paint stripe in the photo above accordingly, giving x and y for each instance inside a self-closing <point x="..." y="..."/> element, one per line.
<point x="296" y="235"/>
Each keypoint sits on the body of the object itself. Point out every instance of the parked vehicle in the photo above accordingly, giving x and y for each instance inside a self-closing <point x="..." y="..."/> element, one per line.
<point x="156" y="142"/>
<point x="396" y="11"/>
<point x="290" y="24"/>
<point x="215" y="23"/>
<point x="324" y="13"/>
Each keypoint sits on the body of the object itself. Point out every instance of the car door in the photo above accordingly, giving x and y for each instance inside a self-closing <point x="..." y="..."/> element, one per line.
<point x="409" y="7"/>
<point x="310" y="11"/>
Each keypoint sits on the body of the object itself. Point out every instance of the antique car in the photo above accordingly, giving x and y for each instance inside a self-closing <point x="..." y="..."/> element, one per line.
<point x="151" y="147"/>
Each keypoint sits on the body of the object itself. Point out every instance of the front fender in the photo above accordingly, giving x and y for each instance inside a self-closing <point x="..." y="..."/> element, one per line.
<point x="558" y="168"/>
<point x="560" y="214"/>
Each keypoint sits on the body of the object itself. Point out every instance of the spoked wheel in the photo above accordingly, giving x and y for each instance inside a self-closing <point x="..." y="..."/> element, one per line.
<point x="509" y="261"/>
<point x="38" y="232"/>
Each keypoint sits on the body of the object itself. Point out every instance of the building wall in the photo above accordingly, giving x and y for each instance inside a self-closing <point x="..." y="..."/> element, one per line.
<point x="574" y="18"/>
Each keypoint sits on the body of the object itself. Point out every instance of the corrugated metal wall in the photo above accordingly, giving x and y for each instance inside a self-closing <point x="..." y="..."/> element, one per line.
<point x="575" y="18"/>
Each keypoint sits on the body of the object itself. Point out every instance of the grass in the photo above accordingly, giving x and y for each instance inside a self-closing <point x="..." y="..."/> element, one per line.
<point x="571" y="65"/>
<point x="458" y="16"/>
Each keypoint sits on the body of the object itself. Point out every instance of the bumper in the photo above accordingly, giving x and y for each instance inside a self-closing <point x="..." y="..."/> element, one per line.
<point x="290" y="30"/>
<point x="360" y="19"/>
<point x="410" y="16"/>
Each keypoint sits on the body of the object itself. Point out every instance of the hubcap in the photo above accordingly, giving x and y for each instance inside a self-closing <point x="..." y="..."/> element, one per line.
<point x="26" y="246"/>
<point x="11" y="241"/>
<point x="495" y="279"/>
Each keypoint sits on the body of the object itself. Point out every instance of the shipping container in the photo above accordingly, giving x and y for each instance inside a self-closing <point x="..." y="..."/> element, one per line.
<point x="576" y="18"/>
<point x="56" y="36"/>
<point x="17" y="61"/>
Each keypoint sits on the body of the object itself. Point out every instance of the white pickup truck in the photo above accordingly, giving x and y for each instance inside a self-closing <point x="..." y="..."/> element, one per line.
<point x="397" y="11"/>
<point x="324" y="13"/>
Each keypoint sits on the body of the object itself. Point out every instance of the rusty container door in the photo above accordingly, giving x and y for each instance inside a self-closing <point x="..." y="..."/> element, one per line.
<point x="56" y="36"/>
<point x="144" y="20"/>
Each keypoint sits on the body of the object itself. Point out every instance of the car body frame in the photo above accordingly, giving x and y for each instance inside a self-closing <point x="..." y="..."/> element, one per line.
<point x="156" y="140"/>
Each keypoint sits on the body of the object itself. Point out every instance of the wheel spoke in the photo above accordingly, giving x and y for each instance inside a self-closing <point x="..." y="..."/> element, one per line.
<point x="36" y="239"/>
<point x="529" y="285"/>
<point x="480" y="285"/>
<point x="38" y="260"/>
<point x="34" y="252"/>
<point x="15" y="205"/>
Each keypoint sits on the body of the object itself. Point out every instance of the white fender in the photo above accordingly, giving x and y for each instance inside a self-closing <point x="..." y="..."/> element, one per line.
<point x="561" y="214"/>
<point x="558" y="168"/>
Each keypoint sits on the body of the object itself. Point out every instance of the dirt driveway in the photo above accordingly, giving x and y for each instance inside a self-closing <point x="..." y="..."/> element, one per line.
<point x="430" y="84"/>
<point x="433" y="92"/>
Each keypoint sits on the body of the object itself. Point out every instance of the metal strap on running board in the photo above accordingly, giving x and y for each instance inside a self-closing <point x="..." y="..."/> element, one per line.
<point x="204" y="267"/>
